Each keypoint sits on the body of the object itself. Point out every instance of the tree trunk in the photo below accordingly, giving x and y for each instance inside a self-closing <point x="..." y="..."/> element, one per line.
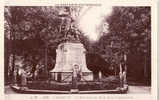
<point x="13" y="66"/>
<point x="6" y="64"/>
<point x="13" y="52"/>
<point x="145" y="69"/>
<point x="46" y="65"/>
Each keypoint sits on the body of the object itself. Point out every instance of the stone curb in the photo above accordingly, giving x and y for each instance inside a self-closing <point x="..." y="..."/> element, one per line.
<point x="30" y="91"/>
<point x="34" y="91"/>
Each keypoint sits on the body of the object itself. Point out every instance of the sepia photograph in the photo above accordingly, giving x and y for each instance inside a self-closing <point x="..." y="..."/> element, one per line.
<point x="77" y="49"/>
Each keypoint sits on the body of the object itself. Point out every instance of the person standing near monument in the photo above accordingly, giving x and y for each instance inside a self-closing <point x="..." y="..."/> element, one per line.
<point x="76" y="76"/>
<point x="122" y="75"/>
<point x="23" y="77"/>
<point x="16" y="75"/>
<point x="36" y="72"/>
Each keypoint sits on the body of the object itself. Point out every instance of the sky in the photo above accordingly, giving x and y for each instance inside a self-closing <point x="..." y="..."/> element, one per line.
<point x="91" y="18"/>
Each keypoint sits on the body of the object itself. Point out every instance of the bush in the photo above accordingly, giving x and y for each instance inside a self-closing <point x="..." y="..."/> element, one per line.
<point x="108" y="83"/>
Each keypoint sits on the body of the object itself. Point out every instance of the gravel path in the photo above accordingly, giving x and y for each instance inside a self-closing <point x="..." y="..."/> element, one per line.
<point x="139" y="89"/>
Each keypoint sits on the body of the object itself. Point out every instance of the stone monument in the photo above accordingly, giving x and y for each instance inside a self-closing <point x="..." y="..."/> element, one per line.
<point x="70" y="55"/>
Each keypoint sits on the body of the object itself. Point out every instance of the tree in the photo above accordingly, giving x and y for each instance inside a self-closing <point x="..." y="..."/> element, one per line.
<point x="31" y="25"/>
<point x="34" y="32"/>
<point x="131" y="29"/>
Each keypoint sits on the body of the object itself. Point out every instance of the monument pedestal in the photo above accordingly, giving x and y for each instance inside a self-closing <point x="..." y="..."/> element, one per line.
<point x="71" y="60"/>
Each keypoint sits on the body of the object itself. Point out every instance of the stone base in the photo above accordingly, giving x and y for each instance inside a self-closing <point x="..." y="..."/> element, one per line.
<point x="67" y="76"/>
<point x="74" y="90"/>
<point x="87" y="76"/>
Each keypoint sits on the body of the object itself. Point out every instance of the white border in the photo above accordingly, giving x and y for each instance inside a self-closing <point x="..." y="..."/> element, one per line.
<point x="152" y="96"/>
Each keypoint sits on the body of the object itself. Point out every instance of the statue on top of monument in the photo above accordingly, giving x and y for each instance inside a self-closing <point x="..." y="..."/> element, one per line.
<point x="68" y="26"/>
<point x="73" y="34"/>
